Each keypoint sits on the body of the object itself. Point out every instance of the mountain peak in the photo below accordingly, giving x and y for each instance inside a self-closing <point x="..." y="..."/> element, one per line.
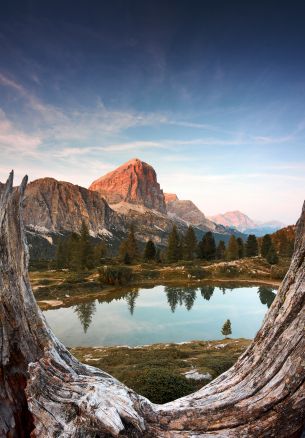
<point x="170" y="197"/>
<point x="135" y="182"/>
<point x="235" y="219"/>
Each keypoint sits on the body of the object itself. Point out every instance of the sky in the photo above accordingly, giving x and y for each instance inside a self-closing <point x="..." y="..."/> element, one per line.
<point x="211" y="93"/>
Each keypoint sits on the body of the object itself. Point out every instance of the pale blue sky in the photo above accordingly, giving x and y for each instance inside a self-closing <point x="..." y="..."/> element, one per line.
<point x="217" y="109"/>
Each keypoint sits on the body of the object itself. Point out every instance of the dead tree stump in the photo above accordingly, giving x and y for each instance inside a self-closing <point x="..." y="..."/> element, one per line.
<point x="46" y="392"/>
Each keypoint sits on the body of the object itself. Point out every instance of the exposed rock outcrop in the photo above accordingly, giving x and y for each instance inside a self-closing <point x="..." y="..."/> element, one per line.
<point x="134" y="182"/>
<point x="170" y="197"/>
<point x="191" y="214"/>
<point x="58" y="206"/>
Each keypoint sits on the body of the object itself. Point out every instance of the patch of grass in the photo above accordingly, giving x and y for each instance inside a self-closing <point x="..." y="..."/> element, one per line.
<point x="157" y="371"/>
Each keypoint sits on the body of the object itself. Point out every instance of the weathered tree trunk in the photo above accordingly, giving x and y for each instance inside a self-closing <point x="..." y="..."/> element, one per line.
<point x="46" y="392"/>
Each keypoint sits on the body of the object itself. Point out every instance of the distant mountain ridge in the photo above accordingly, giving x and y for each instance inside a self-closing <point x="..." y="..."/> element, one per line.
<point x="240" y="221"/>
<point x="128" y="195"/>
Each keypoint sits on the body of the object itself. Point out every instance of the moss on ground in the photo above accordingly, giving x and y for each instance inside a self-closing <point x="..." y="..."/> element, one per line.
<point x="157" y="371"/>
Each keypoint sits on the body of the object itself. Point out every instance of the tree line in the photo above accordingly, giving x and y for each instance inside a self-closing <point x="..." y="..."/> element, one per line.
<point x="79" y="252"/>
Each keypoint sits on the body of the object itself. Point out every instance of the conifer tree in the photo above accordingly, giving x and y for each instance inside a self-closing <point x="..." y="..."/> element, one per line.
<point x="272" y="257"/>
<point x="226" y="329"/>
<point x="99" y="252"/>
<point x="85" y="248"/>
<point x="61" y="257"/>
<point x="150" y="251"/>
<point x="232" y="252"/>
<point x="85" y="311"/>
<point x="266" y="245"/>
<point x="129" y="245"/>
<point x="173" y="253"/>
<point x="207" y="247"/>
<point x="127" y="259"/>
<point x="221" y="250"/>
<point x="251" y="246"/>
<point x="241" y="247"/>
<point x="189" y="244"/>
<point x="74" y="259"/>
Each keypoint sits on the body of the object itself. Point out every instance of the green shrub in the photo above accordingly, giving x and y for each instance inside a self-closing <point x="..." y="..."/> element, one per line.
<point x="278" y="273"/>
<point x="197" y="272"/>
<point x="115" y="275"/>
<point x="161" y="386"/>
<point x="228" y="271"/>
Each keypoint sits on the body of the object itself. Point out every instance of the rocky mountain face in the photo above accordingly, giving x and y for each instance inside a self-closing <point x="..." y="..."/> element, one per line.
<point x="190" y="213"/>
<point x="134" y="182"/>
<point x="58" y="206"/>
<point x="242" y="222"/>
<point x="169" y="197"/>
<point x="53" y="208"/>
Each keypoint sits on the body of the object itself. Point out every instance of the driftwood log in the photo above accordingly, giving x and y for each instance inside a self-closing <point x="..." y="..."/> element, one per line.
<point x="46" y="392"/>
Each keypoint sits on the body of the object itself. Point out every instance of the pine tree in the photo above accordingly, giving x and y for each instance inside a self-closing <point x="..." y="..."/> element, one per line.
<point x="74" y="258"/>
<point x="127" y="259"/>
<point x="61" y="257"/>
<point x="226" y="329"/>
<point x="232" y="252"/>
<point x="272" y="257"/>
<point x="207" y="247"/>
<point x="129" y="245"/>
<point x="286" y="246"/>
<point x="241" y="247"/>
<point x="150" y="251"/>
<point x="172" y="297"/>
<point x="174" y="246"/>
<point x="85" y="248"/>
<point x="207" y="292"/>
<point x="221" y="250"/>
<point x="266" y="245"/>
<point x="85" y="312"/>
<point x="189" y="244"/>
<point x="251" y="246"/>
<point x="131" y="300"/>
<point x="99" y="252"/>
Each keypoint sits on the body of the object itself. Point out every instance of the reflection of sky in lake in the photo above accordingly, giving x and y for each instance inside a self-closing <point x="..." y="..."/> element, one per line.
<point x="146" y="317"/>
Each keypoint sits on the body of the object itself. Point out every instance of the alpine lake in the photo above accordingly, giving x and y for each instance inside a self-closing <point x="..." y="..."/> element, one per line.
<point x="162" y="314"/>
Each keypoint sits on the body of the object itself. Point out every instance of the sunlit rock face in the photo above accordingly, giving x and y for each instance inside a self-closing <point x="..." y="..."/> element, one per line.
<point x="235" y="219"/>
<point x="61" y="206"/>
<point x="134" y="182"/>
<point x="169" y="197"/>
<point x="189" y="212"/>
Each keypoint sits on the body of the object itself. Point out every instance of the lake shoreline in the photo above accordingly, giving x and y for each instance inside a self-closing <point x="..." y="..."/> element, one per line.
<point x="46" y="304"/>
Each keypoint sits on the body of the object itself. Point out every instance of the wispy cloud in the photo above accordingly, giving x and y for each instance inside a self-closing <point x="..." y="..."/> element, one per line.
<point x="11" y="138"/>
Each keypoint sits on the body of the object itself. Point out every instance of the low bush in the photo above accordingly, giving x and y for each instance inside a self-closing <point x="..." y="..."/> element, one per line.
<point x="277" y="272"/>
<point x="161" y="386"/>
<point x="115" y="275"/>
<point x="197" y="272"/>
<point x="228" y="271"/>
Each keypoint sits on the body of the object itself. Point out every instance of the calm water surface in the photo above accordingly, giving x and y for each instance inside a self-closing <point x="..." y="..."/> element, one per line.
<point x="162" y="314"/>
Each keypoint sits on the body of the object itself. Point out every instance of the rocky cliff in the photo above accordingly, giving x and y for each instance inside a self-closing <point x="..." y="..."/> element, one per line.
<point x="190" y="213"/>
<point x="59" y="206"/>
<point x="134" y="182"/>
<point x="169" y="197"/>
